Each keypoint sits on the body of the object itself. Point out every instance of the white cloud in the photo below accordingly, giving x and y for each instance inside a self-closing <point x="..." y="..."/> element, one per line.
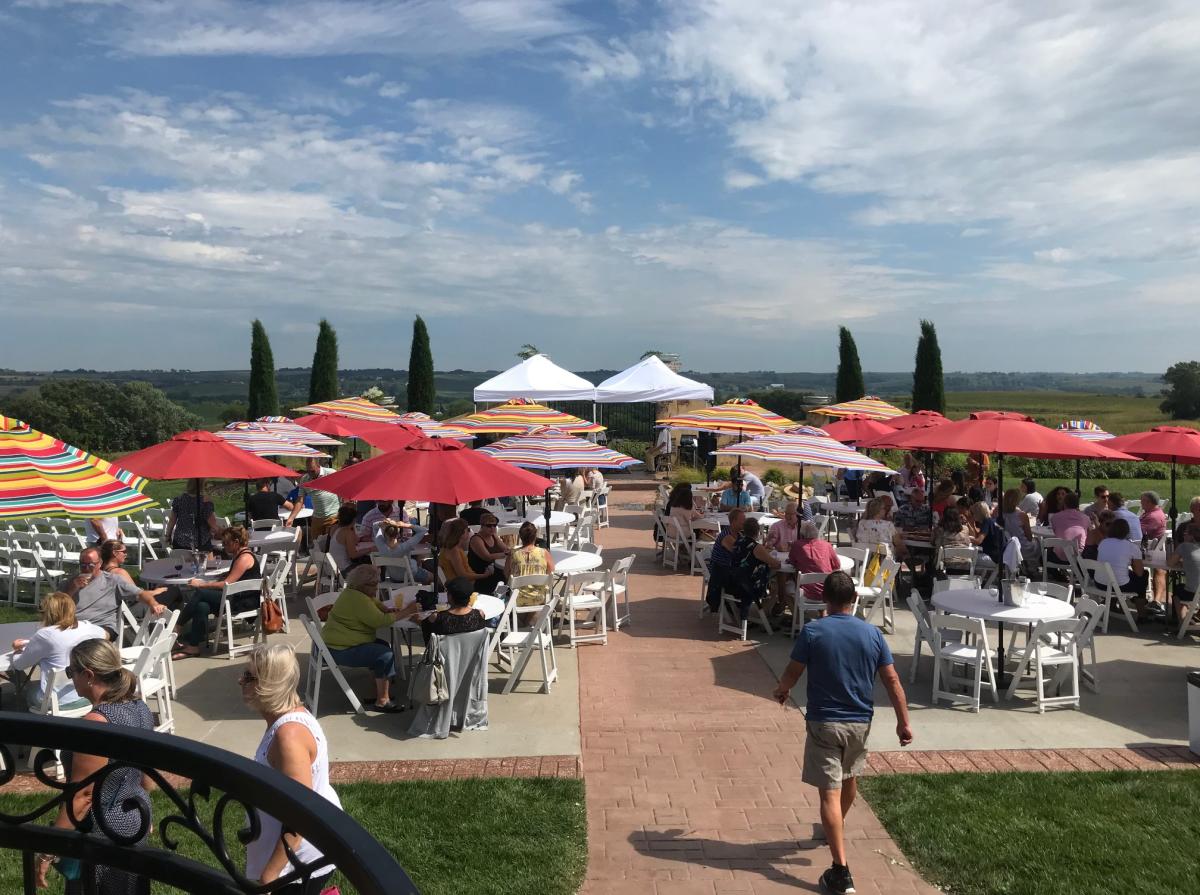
<point x="592" y="62"/>
<point x="367" y="80"/>
<point x="742" y="180"/>
<point x="393" y="90"/>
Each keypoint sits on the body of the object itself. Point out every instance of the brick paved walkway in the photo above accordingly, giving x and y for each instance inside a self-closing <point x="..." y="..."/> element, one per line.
<point x="692" y="772"/>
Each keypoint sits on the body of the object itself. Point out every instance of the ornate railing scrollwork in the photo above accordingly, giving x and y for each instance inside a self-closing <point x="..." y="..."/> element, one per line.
<point x="238" y="785"/>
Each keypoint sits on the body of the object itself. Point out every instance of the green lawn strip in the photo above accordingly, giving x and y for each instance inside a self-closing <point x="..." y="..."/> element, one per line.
<point x="494" y="836"/>
<point x="1046" y="833"/>
<point x="10" y="614"/>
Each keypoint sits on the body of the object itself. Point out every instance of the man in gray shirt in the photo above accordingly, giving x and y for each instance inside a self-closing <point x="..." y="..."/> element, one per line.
<point x="98" y="593"/>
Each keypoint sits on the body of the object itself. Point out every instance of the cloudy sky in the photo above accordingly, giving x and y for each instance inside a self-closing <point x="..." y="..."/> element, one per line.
<point x="727" y="179"/>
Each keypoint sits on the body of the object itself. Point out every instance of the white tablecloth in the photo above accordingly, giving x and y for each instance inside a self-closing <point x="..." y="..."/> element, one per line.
<point x="985" y="604"/>
<point x="568" y="562"/>
<point x="169" y="571"/>
<point x="841" y="507"/>
<point x="9" y="633"/>
<point x="267" y="539"/>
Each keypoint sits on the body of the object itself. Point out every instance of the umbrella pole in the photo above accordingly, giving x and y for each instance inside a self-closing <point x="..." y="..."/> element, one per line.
<point x="246" y="503"/>
<point x="1077" y="477"/>
<point x="198" y="515"/>
<point x="1174" y="511"/>
<point x="547" y="500"/>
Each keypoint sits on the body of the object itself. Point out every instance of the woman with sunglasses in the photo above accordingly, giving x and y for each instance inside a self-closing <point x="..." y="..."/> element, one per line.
<point x="99" y="677"/>
<point x="485" y="553"/>
<point x="294" y="744"/>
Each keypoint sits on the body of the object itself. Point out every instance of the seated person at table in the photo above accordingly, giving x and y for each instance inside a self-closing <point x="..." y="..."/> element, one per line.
<point x="1186" y="557"/>
<point x="113" y="555"/>
<point x="1153" y="520"/>
<point x="206" y="594"/>
<point x="951" y="532"/>
<point x="783" y="533"/>
<point x="1070" y="524"/>
<point x="529" y="559"/>
<point x="382" y="512"/>
<point x="752" y="567"/>
<point x="875" y="527"/>
<point x="720" y="561"/>
<point x="1093" y="509"/>
<point x="452" y="560"/>
<point x="389" y="541"/>
<point x="344" y="546"/>
<point x="812" y="553"/>
<point x="734" y="496"/>
<point x="350" y="632"/>
<point x="989" y="536"/>
<point x="681" y="505"/>
<point x="943" y="496"/>
<point x="1016" y="522"/>
<point x="1116" y="503"/>
<point x="1097" y="533"/>
<point x="1124" y="557"/>
<point x="266" y="502"/>
<point x="461" y="617"/>
<point x="914" y="521"/>
<point x="853" y="480"/>
<point x="1055" y="502"/>
<point x="570" y="490"/>
<point x="752" y="485"/>
<point x="485" y="550"/>
<point x="97" y="594"/>
<point x="50" y="648"/>
<point x="474" y="513"/>
<point x="1030" y="501"/>
<point x="181" y="531"/>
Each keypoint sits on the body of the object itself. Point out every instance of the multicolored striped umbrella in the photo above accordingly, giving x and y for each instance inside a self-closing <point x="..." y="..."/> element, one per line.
<point x="803" y="450"/>
<point x="868" y="406"/>
<point x="286" y="427"/>
<point x="1085" y="429"/>
<point x="42" y="476"/>
<point x="266" y="444"/>
<point x="356" y="408"/>
<point x="740" y="416"/>
<point x="547" y="448"/>
<point x="414" y="416"/>
<point x="518" y="416"/>
<point x="433" y="428"/>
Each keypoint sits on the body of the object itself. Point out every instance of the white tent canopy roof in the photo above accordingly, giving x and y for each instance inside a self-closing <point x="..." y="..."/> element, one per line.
<point x="651" y="380"/>
<point x="538" y="379"/>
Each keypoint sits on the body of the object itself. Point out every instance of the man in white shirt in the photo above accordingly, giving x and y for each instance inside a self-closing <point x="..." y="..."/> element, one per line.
<point x="753" y="486"/>
<point x="1116" y="503"/>
<point x="1031" y="500"/>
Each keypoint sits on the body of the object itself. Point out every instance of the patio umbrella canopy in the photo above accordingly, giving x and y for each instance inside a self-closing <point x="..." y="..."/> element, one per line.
<point x="385" y="436"/>
<point x="43" y="476"/>
<point x="265" y="444"/>
<point x="518" y="416"/>
<point x="856" y="428"/>
<point x="740" y="416"/>
<point x="868" y="406"/>
<point x="922" y="419"/>
<point x="1162" y="444"/>
<point x="355" y="408"/>
<point x="286" y="427"/>
<point x="804" y="449"/>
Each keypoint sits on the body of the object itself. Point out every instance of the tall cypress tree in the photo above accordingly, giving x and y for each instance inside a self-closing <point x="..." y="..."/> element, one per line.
<point x="263" y="399"/>
<point x="929" y="392"/>
<point x="421" y="391"/>
<point x="323" y="381"/>
<point x="850" y="385"/>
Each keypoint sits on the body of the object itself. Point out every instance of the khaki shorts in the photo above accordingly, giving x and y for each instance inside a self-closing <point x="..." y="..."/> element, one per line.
<point x="834" y="751"/>
<point x="318" y="527"/>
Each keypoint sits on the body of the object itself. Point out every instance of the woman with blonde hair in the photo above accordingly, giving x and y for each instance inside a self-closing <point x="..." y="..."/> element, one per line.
<point x="50" y="648"/>
<point x="453" y="538"/>
<point x="99" y="677"/>
<point x="294" y="744"/>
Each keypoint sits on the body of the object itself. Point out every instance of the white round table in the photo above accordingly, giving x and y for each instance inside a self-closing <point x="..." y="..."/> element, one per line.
<point x="509" y="524"/>
<point x="845" y="508"/>
<point x="985" y="604"/>
<point x="569" y="562"/>
<point x="275" y="537"/>
<point x="170" y="571"/>
<point x="305" y="513"/>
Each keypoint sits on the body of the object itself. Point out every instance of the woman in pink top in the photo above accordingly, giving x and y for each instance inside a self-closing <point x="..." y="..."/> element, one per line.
<point x="811" y="553"/>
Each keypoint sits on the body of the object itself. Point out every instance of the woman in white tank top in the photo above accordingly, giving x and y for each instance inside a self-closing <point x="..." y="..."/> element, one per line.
<point x="293" y="744"/>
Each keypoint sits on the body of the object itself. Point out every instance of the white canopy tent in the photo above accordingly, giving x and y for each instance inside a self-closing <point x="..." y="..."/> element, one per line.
<point x="538" y="379"/>
<point x="650" y="380"/>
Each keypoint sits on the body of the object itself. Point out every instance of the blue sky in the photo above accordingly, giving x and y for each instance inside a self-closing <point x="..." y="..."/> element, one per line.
<point x="727" y="179"/>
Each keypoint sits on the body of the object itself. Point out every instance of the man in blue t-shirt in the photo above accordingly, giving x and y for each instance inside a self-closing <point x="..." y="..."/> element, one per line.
<point x="842" y="655"/>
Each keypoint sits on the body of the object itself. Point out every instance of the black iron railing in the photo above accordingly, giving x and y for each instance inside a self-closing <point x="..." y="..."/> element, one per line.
<point x="220" y="783"/>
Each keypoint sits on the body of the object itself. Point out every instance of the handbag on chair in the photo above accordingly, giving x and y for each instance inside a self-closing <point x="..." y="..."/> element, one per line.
<point x="429" y="680"/>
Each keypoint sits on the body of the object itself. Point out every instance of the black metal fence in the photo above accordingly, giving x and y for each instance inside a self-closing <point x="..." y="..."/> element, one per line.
<point x="220" y="783"/>
<point x="634" y="421"/>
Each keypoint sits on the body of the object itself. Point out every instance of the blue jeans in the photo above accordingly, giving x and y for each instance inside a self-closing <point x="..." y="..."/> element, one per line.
<point x="375" y="655"/>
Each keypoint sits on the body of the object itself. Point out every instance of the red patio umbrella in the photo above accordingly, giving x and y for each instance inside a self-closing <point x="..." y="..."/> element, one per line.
<point x="855" y="428"/>
<point x="197" y="454"/>
<point x="433" y="469"/>
<point x="922" y="419"/>
<point x="385" y="436"/>
<point x="1162" y="444"/>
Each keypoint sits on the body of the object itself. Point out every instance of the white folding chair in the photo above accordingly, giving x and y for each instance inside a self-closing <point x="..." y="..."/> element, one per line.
<point x="729" y="618"/>
<point x="276" y="585"/>
<point x="1054" y="646"/>
<point x="539" y="638"/>
<point x="266" y="524"/>
<point x="151" y="668"/>
<point x="956" y="557"/>
<point x="800" y="602"/>
<point x="1050" y="546"/>
<point x="1053" y="589"/>
<point x="877" y="597"/>
<point x="320" y="661"/>
<point x="402" y="565"/>
<point x="134" y="535"/>
<point x="951" y="650"/>
<point x="703" y="556"/>
<point x="680" y="540"/>
<point x="26" y="566"/>
<point x="50" y="706"/>
<point x="585" y="592"/>
<point x="602" y="507"/>
<point x="660" y="537"/>
<point x="226" y="617"/>
<point x="924" y="635"/>
<point x="617" y="588"/>
<point x="152" y="628"/>
<point x="860" y="554"/>
<point x="1100" y="584"/>
<point x="1089" y="609"/>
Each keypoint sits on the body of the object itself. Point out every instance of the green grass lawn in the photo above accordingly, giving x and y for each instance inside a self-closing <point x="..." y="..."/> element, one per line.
<point x="1115" y="413"/>
<point x="9" y="614"/>
<point x="1046" y="834"/>
<point x="492" y="837"/>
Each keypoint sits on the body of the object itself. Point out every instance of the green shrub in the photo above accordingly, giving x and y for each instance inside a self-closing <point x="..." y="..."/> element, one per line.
<point x="774" y="476"/>
<point x="631" y="446"/>
<point x="688" y="474"/>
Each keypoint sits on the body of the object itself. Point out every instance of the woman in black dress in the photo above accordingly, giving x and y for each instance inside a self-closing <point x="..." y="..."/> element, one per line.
<point x="98" y="676"/>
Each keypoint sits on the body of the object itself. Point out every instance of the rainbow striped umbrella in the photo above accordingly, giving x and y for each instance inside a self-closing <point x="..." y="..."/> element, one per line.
<point x="548" y="448"/>
<point x="266" y="444"/>
<point x="1085" y="429"/>
<point x="740" y="416"/>
<point x="414" y="416"/>
<point x="356" y="408"/>
<point x="286" y="427"/>
<point x="433" y="428"/>
<point x="518" y="416"/>
<point x="868" y="406"/>
<point x="42" y="476"/>
<point x="803" y="449"/>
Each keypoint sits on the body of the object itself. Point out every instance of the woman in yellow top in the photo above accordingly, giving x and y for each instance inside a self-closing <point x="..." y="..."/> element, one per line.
<point x="350" y="628"/>
<point x="453" y="538"/>
<point x="529" y="559"/>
